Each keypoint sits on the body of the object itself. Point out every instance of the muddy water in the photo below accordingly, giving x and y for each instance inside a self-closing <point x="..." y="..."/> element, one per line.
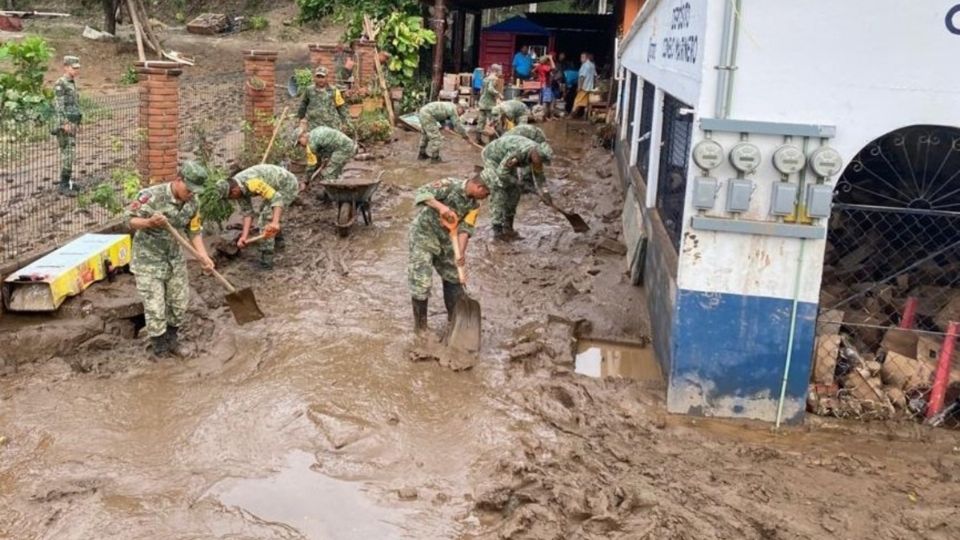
<point x="600" y="358"/>
<point x="305" y="424"/>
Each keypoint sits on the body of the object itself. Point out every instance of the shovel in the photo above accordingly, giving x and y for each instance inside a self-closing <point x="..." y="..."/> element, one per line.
<point x="243" y="304"/>
<point x="464" y="330"/>
<point x="577" y="222"/>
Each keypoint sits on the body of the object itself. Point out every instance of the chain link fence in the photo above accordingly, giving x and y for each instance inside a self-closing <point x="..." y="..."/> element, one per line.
<point x="33" y="215"/>
<point x="212" y="120"/>
<point x="891" y="287"/>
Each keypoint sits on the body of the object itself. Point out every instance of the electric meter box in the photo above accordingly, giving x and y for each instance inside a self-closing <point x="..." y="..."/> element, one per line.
<point x="783" y="199"/>
<point x="739" y="191"/>
<point x="704" y="192"/>
<point x="819" y="198"/>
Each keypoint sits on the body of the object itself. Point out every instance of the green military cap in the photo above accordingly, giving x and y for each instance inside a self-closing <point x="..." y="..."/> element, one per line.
<point x="545" y="151"/>
<point x="194" y="175"/>
<point x="72" y="61"/>
<point x="223" y="189"/>
<point x="320" y="71"/>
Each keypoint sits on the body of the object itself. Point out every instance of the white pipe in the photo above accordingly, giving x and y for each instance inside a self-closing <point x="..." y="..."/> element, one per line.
<point x="728" y="58"/>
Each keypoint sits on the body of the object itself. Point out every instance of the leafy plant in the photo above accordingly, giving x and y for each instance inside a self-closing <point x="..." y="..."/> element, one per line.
<point x="259" y="22"/>
<point x="402" y="36"/>
<point x="304" y="78"/>
<point x="415" y="94"/>
<point x="129" y="76"/>
<point x="112" y="195"/>
<point x="29" y="58"/>
<point x="213" y="208"/>
<point x="373" y="126"/>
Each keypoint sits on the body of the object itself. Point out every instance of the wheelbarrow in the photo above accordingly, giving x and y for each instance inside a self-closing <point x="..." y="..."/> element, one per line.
<point x="352" y="197"/>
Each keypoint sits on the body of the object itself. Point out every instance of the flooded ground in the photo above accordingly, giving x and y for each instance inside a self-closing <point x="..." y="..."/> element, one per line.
<point x="318" y="423"/>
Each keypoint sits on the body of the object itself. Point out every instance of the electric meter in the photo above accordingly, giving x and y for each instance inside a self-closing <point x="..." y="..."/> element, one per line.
<point x="788" y="159"/>
<point x="825" y="162"/>
<point x="708" y="154"/>
<point x="745" y="157"/>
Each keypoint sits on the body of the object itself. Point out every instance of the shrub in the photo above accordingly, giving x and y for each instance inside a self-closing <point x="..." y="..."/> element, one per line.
<point x="129" y="76"/>
<point x="258" y="22"/>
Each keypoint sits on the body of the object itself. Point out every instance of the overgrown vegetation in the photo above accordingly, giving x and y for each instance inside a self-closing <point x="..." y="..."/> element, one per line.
<point x="129" y="76"/>
<point x="373" y="126"/>
<point x="402" y="34"/>
<point x="22" y="95"/>
<point x="213" y="209"/>
<point x="258" y="22"/>
<point x="114" y="193"/>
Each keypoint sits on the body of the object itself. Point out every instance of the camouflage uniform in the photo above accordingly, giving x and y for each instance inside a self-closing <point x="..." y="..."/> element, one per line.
<point x="510" y="114"/>
<point x="277" y="187"/>
<point x="430" y="245"/>
<point x="501" y="159"/>
<point x="488" y="100"/>
<point x="67" y="104"/>
<point x="323" y="107"/>
<point x="536" y="135"/>
<point x="324" y="143"/>
<point x="432" y="118"/>
<point x="158" y="263"/>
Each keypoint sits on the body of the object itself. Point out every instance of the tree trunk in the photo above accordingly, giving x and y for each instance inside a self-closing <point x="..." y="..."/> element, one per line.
<point x="109" y="16"/>
<point x="439" y="21"/>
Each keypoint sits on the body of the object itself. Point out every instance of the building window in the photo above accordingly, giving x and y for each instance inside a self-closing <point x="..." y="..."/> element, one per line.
<point x="644" y="132"/>
<point x="674" y="156"/>
<point x="630" y="94"/>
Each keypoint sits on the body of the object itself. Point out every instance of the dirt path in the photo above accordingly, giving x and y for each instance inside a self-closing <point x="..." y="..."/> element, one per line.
<point x="315" y="423"/>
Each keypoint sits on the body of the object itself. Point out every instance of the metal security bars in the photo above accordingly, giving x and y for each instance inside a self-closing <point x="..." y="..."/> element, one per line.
<point x="674" y="157"/>
<point x="891" y="283"/>
<point x="645" y="129"/>
<point x="33" y="215"/>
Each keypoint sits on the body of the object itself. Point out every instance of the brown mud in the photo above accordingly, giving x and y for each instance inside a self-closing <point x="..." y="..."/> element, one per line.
<point x="315" y="423"/>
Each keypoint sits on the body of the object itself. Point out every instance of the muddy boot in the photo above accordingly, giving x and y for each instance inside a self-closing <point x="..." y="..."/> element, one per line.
<point x="451" y="293"/>
<point x="266" y="261"/>
<point x="436" y="159"/>
<point x="159" y="346"/>
<point x="173" y="340"/>
<point x="422" y="155"/>
<point x="66" y="187"/>
<point x="500" y="234"/>
<point x="278" y="242"/>
<point x="419" y="315"/>
<point x="511" y="233"/>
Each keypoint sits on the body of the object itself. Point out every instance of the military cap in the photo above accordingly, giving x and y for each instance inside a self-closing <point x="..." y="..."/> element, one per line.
<point x="194" y="175"/>
<point x="72" y="61"/>
<point x="223" y="189"/>
<point x="545" y="151"/>
<point x="320" y="71"/>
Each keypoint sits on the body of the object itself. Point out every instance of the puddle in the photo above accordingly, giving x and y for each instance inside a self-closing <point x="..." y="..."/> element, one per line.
<point x="600" y="358"/>
<point x="317" y="506"/>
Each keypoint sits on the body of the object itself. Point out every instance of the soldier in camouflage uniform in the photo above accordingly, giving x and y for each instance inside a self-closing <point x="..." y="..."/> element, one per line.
<point x="442" y="205"/>
<point x="509" y="114"/>
<point x="434" y="116"/>
<point x="322" y="105"/>
<point x="158" y="262"/>
<point x="503" y="159"/>
<point x="329" y="144"/>
<point x="489" y="95"/>
<point x="67" y="104"/>
<point x="536" y="135"/>
<point x="277" y="187"/>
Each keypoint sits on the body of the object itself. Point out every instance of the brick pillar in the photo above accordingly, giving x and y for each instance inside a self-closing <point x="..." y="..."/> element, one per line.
<point x="366" y="71"/>
<point x="322" y="55"/>
<point x="259" y="104"/>
<point x="159" y="120"/>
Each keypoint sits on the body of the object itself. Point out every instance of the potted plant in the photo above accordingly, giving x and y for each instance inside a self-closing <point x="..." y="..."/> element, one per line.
<point x="354" y="99"/>
<point x="256" y="84"/>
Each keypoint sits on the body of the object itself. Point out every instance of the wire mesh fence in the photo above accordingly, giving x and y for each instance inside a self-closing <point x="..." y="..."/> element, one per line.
<point x="33" y="214"/>
<point x="212" y="121"/>
<point x="891" y="287"/>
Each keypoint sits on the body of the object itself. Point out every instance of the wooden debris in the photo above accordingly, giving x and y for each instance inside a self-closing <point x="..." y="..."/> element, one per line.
<point x="209" y="24"/>
<point x="900" y="341"/>
<point x="825" y="363"/>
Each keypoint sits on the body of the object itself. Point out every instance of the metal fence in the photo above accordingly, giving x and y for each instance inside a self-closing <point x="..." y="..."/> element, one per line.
<point x="212" y="121"/>
<point x="674" y="156"/>
<point x="891" y="283"/>
<point x="33" y="215"/>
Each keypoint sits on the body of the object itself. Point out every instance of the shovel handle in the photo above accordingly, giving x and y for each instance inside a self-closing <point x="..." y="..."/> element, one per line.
<point x="186" y="245"/>
<point x="455" y="240"/>
<point x="274" y="136"/>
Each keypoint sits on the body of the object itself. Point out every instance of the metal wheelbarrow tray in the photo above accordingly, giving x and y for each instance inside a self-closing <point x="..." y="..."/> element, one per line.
<point x="352" y="196"/>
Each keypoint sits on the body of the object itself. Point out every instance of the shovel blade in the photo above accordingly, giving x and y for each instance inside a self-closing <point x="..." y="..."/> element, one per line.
<point x="244" y="306"/>
<point x="577" y="222"/>
<point x="464" y="330"/>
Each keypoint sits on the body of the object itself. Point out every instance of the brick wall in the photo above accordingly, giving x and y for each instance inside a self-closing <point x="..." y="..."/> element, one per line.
<point x="364" y="71"/>
<point x="159" y="120"/>
<point x="259" y="104"/>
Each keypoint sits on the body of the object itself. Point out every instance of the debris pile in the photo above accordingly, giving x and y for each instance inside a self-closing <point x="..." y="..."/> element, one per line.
<point x="863" y="370"/>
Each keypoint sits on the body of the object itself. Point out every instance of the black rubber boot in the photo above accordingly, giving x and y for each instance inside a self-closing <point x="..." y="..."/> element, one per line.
<point x="65" y="187"/>
<point x="422" y="155"/>
<point x="419" y="315"/>
<point x="436" y="159"/>
<point x="451" y="293"/>
<point x="509" y="231"/>
<point x="279" y="242"/>
<point x="266" y="260"/>
<point x="159" y="345"/>
<point x="499" y="233"/>
<point x="173" y="340"/>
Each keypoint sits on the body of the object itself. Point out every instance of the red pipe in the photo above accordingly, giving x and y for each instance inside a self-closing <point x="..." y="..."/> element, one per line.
<point x="909" y="313"/>
<point x="942" y="375"/>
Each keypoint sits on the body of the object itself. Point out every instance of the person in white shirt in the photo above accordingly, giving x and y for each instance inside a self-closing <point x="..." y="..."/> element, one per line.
<point x="587" y="81"/>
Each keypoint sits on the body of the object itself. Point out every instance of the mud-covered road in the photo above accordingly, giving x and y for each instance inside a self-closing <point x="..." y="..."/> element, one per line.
<point x="317" y="422"/>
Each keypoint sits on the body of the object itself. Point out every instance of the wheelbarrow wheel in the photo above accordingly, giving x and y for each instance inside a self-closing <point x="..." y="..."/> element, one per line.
<point x="345" y="222"/>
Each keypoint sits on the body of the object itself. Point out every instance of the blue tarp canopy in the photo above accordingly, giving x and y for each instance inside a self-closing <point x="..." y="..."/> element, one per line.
<point x="518" y="25"/>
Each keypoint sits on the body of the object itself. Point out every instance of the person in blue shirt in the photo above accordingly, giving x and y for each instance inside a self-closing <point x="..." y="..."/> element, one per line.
<point x="522" y="64"/>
